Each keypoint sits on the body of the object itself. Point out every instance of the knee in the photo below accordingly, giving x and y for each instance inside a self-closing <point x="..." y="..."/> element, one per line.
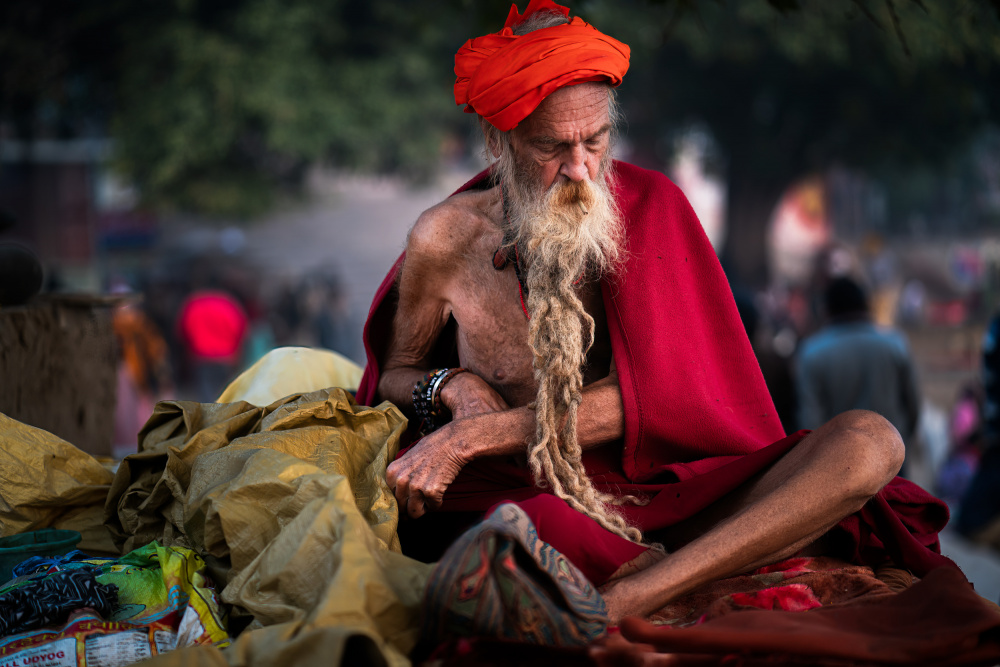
<point x="871" y="448"/>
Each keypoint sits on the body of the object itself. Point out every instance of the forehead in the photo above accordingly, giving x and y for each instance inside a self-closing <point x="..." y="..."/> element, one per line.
<point x="573" y="111"/>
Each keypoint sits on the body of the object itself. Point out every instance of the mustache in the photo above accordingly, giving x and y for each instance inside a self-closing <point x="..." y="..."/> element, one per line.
<point x="570" y="194"/>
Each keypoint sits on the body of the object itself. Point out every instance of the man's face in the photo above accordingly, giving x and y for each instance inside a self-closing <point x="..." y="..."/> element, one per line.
<point x="567" y="136"/>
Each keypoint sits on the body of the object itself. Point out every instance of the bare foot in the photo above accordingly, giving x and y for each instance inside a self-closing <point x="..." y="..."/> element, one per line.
<point x="621" y="600"/>
<point x="619" y="593"/>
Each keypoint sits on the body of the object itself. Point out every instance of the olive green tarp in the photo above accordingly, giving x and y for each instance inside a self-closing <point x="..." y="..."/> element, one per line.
<point x="287" y="503"/>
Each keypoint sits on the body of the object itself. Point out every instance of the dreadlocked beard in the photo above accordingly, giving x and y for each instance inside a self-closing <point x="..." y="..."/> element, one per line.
<point x="571" y="230"/>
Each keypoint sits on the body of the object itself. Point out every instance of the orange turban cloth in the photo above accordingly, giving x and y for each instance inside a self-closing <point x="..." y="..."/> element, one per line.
<point x="504" y="77"/>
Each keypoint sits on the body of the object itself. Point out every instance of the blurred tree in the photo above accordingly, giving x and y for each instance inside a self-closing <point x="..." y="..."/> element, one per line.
<point x="219" y="101"/>
<point x="789" y="87"/>
<point x="215" y="104"/>
<point x="58" y="66"/>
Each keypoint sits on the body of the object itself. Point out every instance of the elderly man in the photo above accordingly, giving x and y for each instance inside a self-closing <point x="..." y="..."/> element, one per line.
<point x="569" y="315"/>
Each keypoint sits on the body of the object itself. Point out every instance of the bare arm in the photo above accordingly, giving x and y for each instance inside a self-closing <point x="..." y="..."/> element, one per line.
<point x="425" y="284"/>
<point x="601" y="419"/>
<point x="420" y="478"/>
<point x="483" y="424"/>
<point x="421" y="313"/>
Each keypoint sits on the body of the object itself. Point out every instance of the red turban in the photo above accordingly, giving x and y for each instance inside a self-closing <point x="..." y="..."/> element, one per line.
<point x="504" y="77"/>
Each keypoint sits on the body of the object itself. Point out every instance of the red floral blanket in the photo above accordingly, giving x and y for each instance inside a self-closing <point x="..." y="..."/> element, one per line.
<point x="801" y="611"/>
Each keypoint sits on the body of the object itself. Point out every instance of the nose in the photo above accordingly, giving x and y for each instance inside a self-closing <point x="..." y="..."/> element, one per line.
<point x="574" y="166"/>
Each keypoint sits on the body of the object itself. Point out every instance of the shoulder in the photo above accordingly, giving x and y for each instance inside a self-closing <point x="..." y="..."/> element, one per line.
<point x="646" y="196"/>
<point x="818" y="345"/>
<point x="446" y="230"/>
<point x="633" y="179"/>
<point x="895" y="338"/>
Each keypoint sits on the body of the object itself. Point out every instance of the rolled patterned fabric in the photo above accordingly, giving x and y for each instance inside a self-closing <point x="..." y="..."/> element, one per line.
<point x="504" y="77"/>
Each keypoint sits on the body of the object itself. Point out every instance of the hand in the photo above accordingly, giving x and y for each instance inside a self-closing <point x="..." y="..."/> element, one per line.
<point x="420" y="478"/>
<point x="467" y="395"/>
<point x="614" y="649"/>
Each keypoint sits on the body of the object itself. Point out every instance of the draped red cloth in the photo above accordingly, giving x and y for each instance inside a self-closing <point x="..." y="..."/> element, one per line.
<point x="504" y="77"/>
<point x="699" y="420"/>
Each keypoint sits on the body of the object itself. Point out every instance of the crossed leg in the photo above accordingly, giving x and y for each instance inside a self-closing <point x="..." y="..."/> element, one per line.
<point x="824" y="478"/>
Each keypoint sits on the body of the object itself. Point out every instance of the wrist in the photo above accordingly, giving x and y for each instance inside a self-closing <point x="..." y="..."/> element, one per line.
<point x="506" y="433"/>
<point x="427" y="400"/>
<point x="451" y="390"/>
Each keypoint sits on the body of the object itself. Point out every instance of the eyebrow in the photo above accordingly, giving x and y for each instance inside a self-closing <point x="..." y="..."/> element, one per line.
<point x="552" y="141"/>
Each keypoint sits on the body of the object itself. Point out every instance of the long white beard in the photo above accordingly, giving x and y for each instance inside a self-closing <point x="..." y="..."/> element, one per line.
<point x="568" y="232"/>
<point x="575" y="222"/>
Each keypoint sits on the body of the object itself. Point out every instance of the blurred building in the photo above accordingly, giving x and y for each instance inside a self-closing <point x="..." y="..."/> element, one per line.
<point x="60" y="198"/>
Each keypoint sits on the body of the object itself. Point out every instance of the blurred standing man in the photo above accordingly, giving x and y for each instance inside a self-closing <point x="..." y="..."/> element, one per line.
<point x="853" y="364"/>
<point x="569" y="317"/>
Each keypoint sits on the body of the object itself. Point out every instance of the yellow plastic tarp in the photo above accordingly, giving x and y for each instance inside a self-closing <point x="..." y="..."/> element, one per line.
<point x="45" y="482"/>
<point x="289" y="506"/>
<point x="286" y="502"/>
<point x="290" y="370"/>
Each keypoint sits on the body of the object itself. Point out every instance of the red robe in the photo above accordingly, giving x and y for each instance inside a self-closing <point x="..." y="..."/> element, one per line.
<point x="699" y="420"/>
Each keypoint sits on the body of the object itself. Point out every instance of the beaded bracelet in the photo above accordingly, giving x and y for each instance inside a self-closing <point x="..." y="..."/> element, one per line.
<point x="427" y="397"/>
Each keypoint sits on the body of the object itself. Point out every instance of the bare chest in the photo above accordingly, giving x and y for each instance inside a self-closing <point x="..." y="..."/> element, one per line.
<point x="492" y="332"/>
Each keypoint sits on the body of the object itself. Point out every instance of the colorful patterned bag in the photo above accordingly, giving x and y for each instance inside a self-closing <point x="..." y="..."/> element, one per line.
<point x="500" y="580"/>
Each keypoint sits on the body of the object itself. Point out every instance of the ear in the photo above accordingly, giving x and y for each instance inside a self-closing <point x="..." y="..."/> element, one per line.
<point x="490" y="135"/>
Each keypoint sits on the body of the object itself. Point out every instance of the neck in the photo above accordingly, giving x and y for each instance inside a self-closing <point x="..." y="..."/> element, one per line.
<point x="850" y="318"/>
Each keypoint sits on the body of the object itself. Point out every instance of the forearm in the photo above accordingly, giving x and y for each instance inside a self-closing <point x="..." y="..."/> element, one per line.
<point x="600" y="420"/>
<point x="396" y="386"/>
<point x="421" y="477"/>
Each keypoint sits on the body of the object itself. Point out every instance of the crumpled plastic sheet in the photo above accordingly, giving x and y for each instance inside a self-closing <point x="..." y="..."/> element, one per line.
<point x="45" y="482"/>
<point x="289" y="507"/>
<point x="286" y="503"/>
<point x="292" y="370"/>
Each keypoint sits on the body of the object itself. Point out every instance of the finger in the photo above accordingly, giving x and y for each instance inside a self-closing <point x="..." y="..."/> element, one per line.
<point x="401" y="491"/>
<point x="415" y="506"/>
<point x="433" y="501"/>
<point x="402" y="497"/>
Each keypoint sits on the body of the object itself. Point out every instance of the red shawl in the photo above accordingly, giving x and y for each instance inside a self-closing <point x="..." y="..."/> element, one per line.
<point x="699" y="419"/>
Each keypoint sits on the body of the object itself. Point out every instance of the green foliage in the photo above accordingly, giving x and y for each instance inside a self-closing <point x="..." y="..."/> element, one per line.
<point x="819" y="81"/>
<point x="215" y="105"/>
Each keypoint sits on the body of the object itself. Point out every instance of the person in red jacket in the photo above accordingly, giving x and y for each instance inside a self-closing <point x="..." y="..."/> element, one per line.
<point x="562" y="335"/>
<point x="213" y="327"/>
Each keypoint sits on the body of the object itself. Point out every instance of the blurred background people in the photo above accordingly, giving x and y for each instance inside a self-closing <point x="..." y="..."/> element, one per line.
<point x="965" y="445"/>
<point x="212" y="326"/>
<point x="143" y="369"/>
<point x="979" y="508"/>
<point x="853" y="364"/>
